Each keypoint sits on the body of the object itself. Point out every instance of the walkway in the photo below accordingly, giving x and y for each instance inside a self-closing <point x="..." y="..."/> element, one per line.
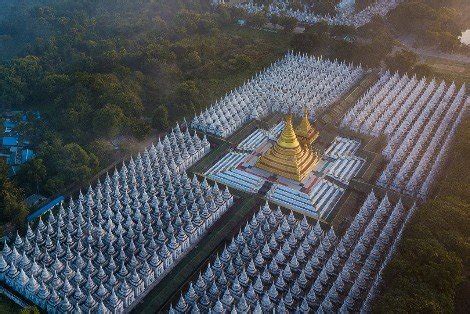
<point x="337" y="110"/>
<point x="220" y="233"/>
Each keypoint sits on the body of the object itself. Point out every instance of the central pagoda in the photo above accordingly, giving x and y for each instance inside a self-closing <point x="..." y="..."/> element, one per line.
<point x="288" y="158"/>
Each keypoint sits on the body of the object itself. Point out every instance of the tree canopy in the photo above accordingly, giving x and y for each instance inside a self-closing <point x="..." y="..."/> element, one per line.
<point x="430" y="22"/>
<point x="12" y="206"/>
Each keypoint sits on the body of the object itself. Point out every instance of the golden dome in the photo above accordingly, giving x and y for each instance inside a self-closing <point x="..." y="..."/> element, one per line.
<point x="287" y="157"/>
<point x="288" y="138"/>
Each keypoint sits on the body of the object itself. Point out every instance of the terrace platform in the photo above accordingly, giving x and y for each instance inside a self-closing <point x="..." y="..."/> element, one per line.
<point x="315" y="196"/>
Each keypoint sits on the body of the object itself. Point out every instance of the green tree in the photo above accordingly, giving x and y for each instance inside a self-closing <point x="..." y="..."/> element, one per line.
<point x="76" y="163"/>
<point x="104" y="150"/>
<point x="224" y="16"/>
<point x="288" y="22"/>
<point x="67" y="164"/>
<point x="423" y="70"/>
<point x="206" y="26"/>
<point x="160" y="119"/>
<point x="321" y="27"/>
<point x="186" y="91"/>
<point x="139" y="129"/>
<point x="240" y="62"/>
<point x="32" y="175"/>
<point x="306" y="42"/>
<point x="30" y="310"/>
<point x="258" y="19"/>
<point x="402" y="61"/>
<point x="274" y="19"/>
<point x="343" y="30"/>
<point x="54" y="185"/>
<point x="188" y="21"/>
<point x="12" y="88"/>
<point x="448" y="42"/>
<point x="108" y="121"/>
<point x="191" y="60"/>
<point x="12" y="207"/>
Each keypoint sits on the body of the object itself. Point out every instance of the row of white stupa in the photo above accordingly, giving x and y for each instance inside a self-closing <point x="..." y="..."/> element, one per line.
<point x="111" y="246"/>
<point x="282" y="8"/>
<point x="419" y="119"/>
<point x="291" y="84"/>
<point x="284" y="264"/>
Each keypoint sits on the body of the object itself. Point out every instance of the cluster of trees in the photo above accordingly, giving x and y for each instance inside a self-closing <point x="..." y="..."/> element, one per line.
<point x="321" y="7"/>
<point x="260" y="19"/>
<point x="362" y="4"/>
<point x="432" y="22"/>
<point x="339" y="42"/>
<point x="57" y="166"/>
<point x="12" y="207"/>
<point x="403" y="61"/>
<point x="429" y="273"/>
<point x="105" y="70"/>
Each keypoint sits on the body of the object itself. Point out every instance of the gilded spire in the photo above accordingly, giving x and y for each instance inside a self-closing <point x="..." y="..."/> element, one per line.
<point x="288" y="138"/>
<point x="304" y="126"/>
<point x="287" y="157"/>
<point x="305" y="132"/>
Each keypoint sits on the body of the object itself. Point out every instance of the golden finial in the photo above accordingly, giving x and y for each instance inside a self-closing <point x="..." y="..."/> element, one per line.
<point x="288" y="139"/>
<point x="287" y="157"/>
<point x="304" y="127"/>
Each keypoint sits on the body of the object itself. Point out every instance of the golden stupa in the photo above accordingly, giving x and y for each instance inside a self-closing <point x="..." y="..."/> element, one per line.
<point x="288" y="158"/>
<point x="306" y="134"/>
